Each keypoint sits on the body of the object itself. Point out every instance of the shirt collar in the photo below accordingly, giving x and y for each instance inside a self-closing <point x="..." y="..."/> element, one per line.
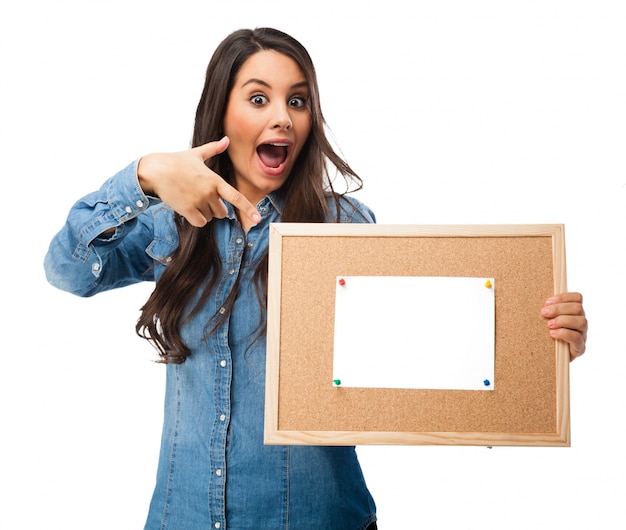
<point x="277" y="200"/>
<point x="274" y="198"/>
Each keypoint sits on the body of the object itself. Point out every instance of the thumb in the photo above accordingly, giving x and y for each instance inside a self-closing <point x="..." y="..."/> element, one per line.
<point x="210" y="149"/>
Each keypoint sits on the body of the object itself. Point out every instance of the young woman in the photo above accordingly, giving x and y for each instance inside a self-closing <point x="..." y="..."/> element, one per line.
<point x="196" y="223"/>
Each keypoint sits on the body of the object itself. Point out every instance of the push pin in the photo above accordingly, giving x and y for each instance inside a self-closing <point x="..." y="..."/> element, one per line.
<point x="337" y="382"/>
<point x="342" y="281"/>
<point x="488" y="284"/>
<point x="486" y="382"/>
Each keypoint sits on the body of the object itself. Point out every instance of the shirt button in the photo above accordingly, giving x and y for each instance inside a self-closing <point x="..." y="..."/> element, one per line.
<point x="218" y="472"/>
<point x="95" y="267"/>
<point x="222" y="310"/>
<point x="128" y="209"/>
<point x="231" y="271"/>
<point x="250" y="245"/>
<point x="223" y="364"/>
<point x="218" y="525"/>
<point x="222" y="417"/>
<point x="139" y="204"/>
<point x="239" y="241"/>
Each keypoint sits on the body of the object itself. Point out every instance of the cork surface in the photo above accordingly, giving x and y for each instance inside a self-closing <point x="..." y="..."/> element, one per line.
<point x="524" y="398"/>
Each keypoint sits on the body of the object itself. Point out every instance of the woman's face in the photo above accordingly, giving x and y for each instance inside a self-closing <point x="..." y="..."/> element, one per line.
<point x="268" y="119"/>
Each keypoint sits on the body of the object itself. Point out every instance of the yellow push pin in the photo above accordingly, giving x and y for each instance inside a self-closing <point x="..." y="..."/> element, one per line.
<point x="488" y="284"/>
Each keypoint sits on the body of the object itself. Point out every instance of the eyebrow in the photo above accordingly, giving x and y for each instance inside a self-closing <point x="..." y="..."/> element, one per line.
<point x="254" y="80"/>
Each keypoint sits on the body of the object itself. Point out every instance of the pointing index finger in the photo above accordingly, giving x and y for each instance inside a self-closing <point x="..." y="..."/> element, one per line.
<point x="237" y="199"/>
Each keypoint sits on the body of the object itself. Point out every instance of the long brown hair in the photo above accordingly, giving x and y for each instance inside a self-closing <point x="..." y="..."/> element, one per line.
<point x="196" y="261"/>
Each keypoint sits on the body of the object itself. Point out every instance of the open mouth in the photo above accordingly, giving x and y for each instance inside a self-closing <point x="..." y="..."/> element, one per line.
<point x="273" y="154"/>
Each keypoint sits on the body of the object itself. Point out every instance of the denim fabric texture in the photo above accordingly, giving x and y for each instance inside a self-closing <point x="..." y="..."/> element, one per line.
<point x="214" y="471"/>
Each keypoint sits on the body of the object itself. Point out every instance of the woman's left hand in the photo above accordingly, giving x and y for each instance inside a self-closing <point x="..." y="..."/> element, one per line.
<point x="567" y="321"/>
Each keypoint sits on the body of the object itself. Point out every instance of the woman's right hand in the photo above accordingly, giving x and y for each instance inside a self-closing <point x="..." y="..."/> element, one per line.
<point x="184" y="182"/>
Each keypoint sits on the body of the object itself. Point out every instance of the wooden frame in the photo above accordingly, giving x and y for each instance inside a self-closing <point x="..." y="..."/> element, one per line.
<point x="530" y="403"/>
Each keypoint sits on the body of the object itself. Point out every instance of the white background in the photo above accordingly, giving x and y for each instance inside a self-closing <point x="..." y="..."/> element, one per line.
<point x="452" y="111"/>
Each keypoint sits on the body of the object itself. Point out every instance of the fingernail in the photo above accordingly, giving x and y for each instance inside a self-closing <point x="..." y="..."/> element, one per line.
<point x="545" y="311"/>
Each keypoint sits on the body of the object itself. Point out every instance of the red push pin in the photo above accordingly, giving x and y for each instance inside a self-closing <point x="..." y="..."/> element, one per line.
<point x="342" y="281"/>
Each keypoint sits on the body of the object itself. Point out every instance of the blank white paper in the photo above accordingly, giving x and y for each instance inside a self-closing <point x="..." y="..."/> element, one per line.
<point x="414" y="332"/>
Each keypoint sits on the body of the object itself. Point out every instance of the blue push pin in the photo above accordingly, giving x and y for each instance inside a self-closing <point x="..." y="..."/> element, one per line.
<point x="486" y="382"/>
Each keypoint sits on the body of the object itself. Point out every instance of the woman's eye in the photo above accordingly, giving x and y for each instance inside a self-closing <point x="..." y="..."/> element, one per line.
<point x="258" y="99"/>
<point x="297" y="102"/>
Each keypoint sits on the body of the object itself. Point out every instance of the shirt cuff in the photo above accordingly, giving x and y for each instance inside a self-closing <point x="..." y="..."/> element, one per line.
<point x="124" y="194"/>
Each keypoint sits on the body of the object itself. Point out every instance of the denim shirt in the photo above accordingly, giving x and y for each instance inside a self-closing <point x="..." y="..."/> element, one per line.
<point x="214" y="471"/>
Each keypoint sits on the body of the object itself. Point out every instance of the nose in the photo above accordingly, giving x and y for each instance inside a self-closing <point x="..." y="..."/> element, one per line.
<point x="281" y="118"/>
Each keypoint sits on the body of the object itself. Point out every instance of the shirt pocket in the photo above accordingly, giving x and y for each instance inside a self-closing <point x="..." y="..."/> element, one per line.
<point x="165" y="238"/>
<point x="160" y="251"/>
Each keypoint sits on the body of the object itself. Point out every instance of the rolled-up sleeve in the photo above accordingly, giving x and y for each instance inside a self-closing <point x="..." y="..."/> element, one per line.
<point x="82" y="260"/>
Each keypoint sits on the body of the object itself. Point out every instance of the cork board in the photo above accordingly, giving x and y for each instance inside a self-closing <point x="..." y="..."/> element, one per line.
<point x="530" y="402"/>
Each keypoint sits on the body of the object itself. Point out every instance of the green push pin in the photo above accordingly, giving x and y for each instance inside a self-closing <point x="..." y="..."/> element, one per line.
<point x="337" y="382"/>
